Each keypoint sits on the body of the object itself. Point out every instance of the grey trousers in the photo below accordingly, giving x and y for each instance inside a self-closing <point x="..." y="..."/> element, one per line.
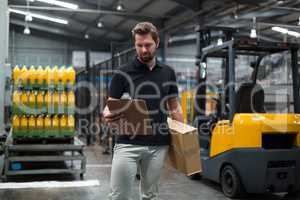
<point x="126" y="160"/>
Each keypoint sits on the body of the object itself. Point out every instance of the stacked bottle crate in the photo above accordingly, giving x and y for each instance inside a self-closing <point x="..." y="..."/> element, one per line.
<point x="43" y="102"/>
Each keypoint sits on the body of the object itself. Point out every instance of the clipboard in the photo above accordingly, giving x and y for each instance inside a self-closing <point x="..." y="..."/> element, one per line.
<point x="136" y="119"/>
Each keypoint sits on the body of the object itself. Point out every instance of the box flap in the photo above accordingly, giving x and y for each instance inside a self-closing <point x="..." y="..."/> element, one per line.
<point x="180" y="127"/>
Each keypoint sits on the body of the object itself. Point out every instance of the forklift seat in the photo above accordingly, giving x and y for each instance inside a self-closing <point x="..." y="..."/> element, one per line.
<point x="250" y="98"/>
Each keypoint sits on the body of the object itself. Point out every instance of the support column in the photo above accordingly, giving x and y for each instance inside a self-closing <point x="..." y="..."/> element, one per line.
<point x="88" y="96"/>
<point x="203" y="40"/>
<point x="164" y="39"/>
<point x="4" y="30"/>
<point x="163" y="46"/>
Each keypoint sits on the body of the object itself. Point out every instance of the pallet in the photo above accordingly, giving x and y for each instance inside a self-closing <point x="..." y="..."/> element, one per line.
<point x="43" y="140"/>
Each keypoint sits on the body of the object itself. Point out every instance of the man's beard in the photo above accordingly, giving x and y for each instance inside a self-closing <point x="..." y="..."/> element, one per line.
<point x="147" y="57"/>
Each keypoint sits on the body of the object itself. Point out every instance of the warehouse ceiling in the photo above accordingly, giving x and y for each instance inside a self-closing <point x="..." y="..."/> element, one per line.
<point x="176" y="17"/>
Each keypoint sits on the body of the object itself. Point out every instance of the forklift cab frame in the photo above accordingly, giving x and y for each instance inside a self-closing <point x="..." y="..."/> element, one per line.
<point x="230" y="49"/>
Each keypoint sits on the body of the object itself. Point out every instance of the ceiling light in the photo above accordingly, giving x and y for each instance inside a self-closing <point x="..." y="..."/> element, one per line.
<point x="44" y="17"/>
<point x="286" y="31"/>
<point x="294" y="33"/>
<point x="100" y="24"/>
<point x="86" y="36"/>
<point x="60" y="3"/>
<point x="28" y="17"/>
<point x="26" y="30"/>
<point x="280" y="1"/>
<point x="120" y="6"/>
<point x="279" y="29"/>
<point x="220" y="41"/>
<point x="235" y="12"/>
<point x="235" y="15"/>
<point x="253" y="33"/>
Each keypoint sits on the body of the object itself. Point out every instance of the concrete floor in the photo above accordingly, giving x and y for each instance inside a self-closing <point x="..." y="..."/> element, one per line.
<point x="174" y="186"/>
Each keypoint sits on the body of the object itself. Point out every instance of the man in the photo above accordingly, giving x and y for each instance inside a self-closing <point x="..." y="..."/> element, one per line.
<point x="144" y="78"/>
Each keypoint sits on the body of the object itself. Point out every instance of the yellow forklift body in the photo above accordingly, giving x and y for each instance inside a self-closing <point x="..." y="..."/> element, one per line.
<point x="246" y="131"/>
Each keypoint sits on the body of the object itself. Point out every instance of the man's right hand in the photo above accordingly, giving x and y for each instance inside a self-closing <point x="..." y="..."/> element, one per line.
<point x="111" y="117"/>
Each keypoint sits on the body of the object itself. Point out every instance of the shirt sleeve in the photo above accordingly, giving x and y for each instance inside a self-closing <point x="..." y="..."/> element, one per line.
<point x="116" y="86"/>
<point x="173" y="89"/>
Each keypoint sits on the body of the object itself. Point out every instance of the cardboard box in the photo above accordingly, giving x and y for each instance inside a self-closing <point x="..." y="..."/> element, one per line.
<point x="184" y="153"/>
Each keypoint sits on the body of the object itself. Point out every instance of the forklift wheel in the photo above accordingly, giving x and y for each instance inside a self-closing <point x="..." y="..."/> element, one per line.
<point x="230" y="182"/>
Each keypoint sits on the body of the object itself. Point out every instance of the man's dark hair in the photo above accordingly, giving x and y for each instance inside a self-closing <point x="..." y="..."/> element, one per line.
<point x="145" y="28"/>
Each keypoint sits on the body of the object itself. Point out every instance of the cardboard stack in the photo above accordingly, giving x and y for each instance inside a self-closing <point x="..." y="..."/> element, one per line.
<point x="184" y="153"/>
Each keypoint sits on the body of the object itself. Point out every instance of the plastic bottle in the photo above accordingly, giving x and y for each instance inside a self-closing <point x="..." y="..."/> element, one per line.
<point x="24" y="108"/>
<point x="63" y="102"/>
<point x="16" y="125"/>
<point x="32" y="102"/>
<point x="71" y="102"/>
<point x="48" y="102"/>
<point x="61" y="75"/>
<point x="49" y="75"/>
<point x="55" y="72"/>
<point x="24" y="76"/>
<point x="23" y="126"/>
<point x="16" y="102"/>
<point x="40" y="126"/>
<point x="55" y="101"/>
<point x="32" y="131"/>
<point x="55" y="126"/>
<point x="49" y="98"/>
<point x="71" y="125"/>
<point x="63" y="124"/>
<point x="47" y="125"/>
<point x="16" y="75"/>
<point x="71" y="74"/>
<point x="41" y="76"/>
<point x="32" y="76"/>
<point x="40" y="101"/>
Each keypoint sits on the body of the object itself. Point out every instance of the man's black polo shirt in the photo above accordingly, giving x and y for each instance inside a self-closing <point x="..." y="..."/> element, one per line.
<point x="155" y="87"/>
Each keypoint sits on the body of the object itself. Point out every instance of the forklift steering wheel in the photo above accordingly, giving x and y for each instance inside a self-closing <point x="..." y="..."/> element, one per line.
<point x="219" y="113"/>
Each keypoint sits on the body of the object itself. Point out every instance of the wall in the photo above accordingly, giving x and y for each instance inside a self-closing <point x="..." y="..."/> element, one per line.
<point x="36" y="50"/>
<point x="46" y="49"/>
<point x="182" y="57"/>
<point x="79" y="60"/>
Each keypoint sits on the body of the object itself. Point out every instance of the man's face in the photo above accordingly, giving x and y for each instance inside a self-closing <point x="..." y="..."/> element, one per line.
<point x="145" y="47"/>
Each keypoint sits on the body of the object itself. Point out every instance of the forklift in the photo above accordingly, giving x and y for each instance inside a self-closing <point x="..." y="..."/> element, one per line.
<point x="246" y="145"/>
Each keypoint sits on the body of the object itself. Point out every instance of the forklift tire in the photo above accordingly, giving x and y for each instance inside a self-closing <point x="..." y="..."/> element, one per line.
<point x="230" y="182"/>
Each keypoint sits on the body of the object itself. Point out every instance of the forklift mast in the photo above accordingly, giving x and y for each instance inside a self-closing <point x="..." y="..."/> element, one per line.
<point x="205" y="37"/>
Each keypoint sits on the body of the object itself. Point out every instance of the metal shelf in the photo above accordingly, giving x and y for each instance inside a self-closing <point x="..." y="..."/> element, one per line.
<point x="34" y="153"/>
